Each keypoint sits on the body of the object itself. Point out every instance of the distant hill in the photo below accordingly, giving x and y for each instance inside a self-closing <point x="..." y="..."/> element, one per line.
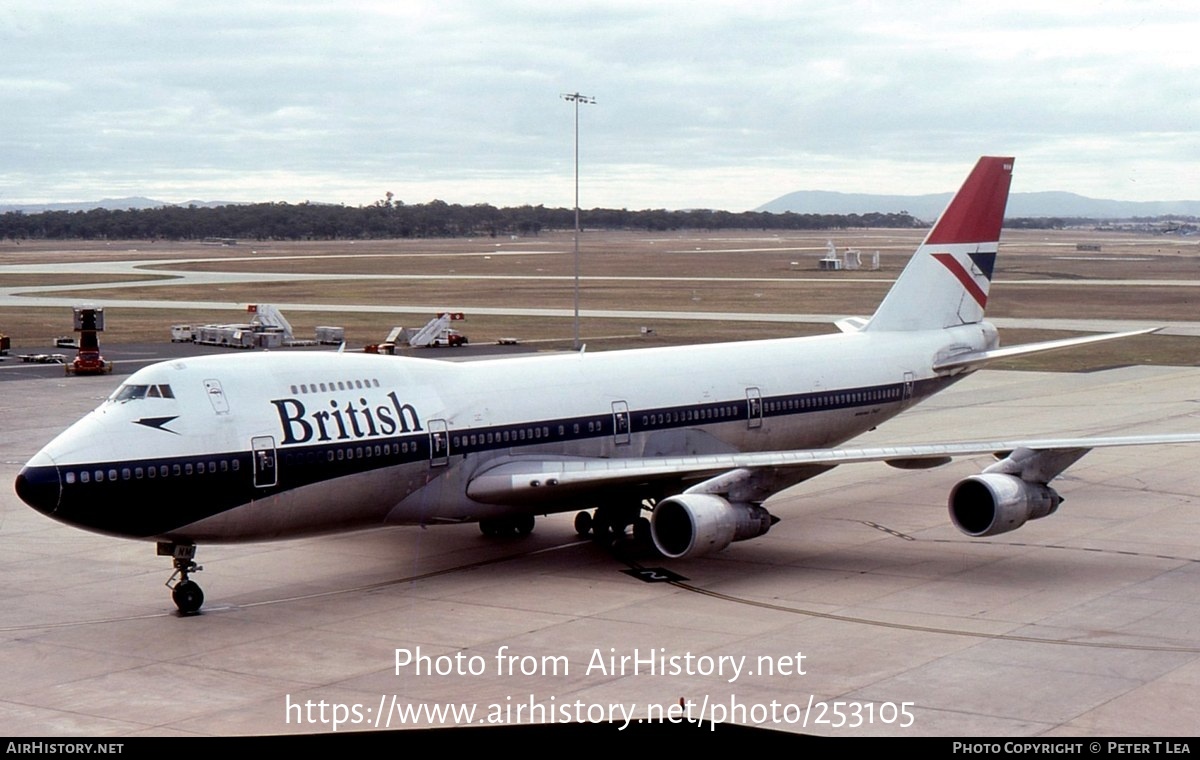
<point x="114" y="204"/>
<point x="927" y="207"/>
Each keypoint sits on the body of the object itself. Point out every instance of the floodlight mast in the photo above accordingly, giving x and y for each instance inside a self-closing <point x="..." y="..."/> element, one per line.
<point x="576" y="98"/>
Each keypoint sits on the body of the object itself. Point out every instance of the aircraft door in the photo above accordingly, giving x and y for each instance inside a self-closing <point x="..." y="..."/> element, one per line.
<point x="439" y="444"/>
<point x="754" y="408"/>
<point x="908" y="387"/>
<point x="620" y="412"/>
<point x="262" y="451"/>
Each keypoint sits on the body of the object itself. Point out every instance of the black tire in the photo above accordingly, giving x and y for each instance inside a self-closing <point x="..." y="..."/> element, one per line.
<point x="524" y="524"/>
<point x="583" y="524"/>
<point x="188" y="597"/>
<point x="601" y="527"/>
<point x="641" y="532"/>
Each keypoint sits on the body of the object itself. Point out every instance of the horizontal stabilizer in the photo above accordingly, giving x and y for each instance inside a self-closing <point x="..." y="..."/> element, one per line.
<point x="975" y="359"/>
<point x="851" y="324"/>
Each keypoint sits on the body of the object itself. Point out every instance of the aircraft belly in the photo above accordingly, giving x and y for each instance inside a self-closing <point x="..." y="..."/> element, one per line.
<point x="362" y="500"/>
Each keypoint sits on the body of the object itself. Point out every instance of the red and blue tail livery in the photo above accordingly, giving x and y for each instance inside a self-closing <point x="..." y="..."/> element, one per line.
<point x="947" y="280"/>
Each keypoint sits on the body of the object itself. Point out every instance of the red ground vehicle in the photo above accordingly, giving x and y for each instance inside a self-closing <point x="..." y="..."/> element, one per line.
<point x="89" y="363"/>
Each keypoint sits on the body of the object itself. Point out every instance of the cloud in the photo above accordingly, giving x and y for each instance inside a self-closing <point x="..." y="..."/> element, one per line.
<point x="699" y="104"/>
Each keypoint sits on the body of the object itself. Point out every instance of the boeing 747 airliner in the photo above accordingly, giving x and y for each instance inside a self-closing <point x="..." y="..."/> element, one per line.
<point x="278" y="445"/>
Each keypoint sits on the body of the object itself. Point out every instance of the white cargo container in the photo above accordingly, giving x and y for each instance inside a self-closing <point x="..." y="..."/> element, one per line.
<point x="331" y="336"/>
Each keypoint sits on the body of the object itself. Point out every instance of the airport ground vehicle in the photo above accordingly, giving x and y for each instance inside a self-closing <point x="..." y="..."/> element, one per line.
<point x="89" y="322"/>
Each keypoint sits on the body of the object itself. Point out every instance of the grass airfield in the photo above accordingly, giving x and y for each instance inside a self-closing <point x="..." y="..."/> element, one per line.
<point x="677" y="285"/>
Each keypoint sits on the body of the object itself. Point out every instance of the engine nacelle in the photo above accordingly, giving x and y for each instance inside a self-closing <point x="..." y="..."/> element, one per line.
<point x="694" y="524"/>
<point x="993" y="503"/>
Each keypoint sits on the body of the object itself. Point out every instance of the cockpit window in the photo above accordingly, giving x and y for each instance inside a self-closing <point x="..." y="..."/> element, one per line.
<point x="129" y="392"/>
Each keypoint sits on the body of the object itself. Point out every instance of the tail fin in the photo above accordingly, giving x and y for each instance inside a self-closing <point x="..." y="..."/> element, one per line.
<point x="946" y="282"/>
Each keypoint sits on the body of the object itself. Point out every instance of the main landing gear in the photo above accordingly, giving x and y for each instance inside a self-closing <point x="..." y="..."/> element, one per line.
<point x="185" y="592"/>
<point x="611" y="524"/>
<point x="516" y="525"/>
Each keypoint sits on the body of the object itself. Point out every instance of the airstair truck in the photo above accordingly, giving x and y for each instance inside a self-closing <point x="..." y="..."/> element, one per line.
<point x="89" y="321"/>
<point x="436" y="333"/>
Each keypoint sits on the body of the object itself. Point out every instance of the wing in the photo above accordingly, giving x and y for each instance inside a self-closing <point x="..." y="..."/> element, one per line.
<point x="521" y="480"/>
<point x="713" y="500"/>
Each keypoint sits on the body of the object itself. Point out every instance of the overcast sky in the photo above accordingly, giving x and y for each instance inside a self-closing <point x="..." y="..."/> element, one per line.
<point x="698" y="104"/>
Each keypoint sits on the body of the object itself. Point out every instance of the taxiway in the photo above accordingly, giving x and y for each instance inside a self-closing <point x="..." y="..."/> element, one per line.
<point x="1083" y="623"/>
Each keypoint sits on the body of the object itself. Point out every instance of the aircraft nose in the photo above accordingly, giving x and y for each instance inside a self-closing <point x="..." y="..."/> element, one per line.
<point x="38" y="484"/>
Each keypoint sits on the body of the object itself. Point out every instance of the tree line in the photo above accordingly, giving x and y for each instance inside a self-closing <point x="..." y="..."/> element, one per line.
<point x="393" y="219"/>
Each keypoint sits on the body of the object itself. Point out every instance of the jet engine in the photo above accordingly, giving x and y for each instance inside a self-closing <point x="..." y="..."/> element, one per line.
<point x="694" y="524"/>
<point x="993" y="503"/>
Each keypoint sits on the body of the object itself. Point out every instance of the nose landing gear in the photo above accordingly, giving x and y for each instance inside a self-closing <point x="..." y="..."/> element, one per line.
<point x="186" y="593"/>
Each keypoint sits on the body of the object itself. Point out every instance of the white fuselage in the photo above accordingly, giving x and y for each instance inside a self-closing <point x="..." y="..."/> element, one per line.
<point x="247" y="447"/>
